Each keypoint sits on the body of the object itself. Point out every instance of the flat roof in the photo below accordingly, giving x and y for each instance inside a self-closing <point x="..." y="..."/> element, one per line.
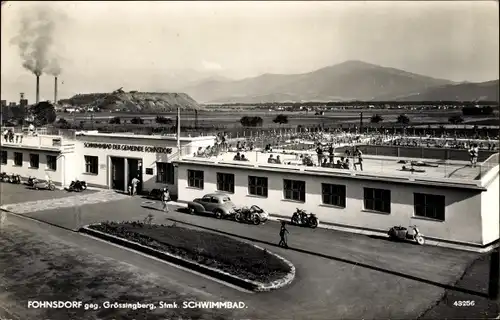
<point x="451" y="173"/>
<point x="141" y="136"/>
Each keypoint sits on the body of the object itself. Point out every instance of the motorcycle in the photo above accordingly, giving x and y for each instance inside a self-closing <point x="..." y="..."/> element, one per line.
<point x="4" y="177"/>
<point x="44" y="185"/>
<point x="402" y="233"/>
<point x="15" y="178"/>
<point x="300" y="217"/>
<point x="254" y="215"/>
<point x="77" y="186"/>
<point x="30" y="182"/>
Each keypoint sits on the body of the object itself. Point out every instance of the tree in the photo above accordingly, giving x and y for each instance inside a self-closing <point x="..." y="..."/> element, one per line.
<point x="251" y="121"/>
<point x="137" y="120"/>
<point x="281" y="119"/>
<point x="43" y="113"/>
<point x="115" y="120"/>
<point x="376" y="118"/>
<point x="474" y="111"/>
<point x="455" y="119"/>
<point x="403" y="119"/>
<point x="63" y="123"/>
<point x="163" y="120"/>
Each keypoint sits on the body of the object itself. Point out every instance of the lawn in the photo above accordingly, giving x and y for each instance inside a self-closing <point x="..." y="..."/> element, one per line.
<point x="209" y="249"/>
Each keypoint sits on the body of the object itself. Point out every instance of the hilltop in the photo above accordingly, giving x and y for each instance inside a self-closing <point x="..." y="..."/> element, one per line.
<point x="134" y="101"/>
<point x="350" y="80"/>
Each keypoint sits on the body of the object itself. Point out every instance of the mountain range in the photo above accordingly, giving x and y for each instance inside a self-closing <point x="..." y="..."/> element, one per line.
<point x="347" y="81"/>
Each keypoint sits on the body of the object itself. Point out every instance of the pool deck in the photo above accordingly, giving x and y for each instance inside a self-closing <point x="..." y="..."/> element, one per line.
<point x="459" y="170"/>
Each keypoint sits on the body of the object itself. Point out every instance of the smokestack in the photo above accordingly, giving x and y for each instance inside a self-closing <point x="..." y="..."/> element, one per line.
<point x="55" y="90"/>
<point x="37" y="89"/>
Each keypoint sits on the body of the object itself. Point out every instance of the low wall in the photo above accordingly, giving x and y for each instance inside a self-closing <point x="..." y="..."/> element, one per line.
<point x="421" y="152"/>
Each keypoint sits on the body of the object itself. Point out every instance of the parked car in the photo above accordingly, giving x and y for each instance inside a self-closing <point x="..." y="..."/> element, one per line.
<point x="217" y="204"/>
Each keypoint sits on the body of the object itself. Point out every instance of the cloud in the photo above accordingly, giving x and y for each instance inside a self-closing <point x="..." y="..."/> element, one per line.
<point x="210" y="65"/>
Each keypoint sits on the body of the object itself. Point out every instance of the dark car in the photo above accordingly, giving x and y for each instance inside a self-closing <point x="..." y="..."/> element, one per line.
<point x="218" y="204"/>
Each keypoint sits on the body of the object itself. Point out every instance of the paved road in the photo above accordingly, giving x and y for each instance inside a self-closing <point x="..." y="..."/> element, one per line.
<point x="332" y="285"/>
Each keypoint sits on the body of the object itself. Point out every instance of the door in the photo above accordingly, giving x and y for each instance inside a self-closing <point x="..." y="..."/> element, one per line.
<point x="135" y="171"/>
<point x="118" y="173"/>
<point x="207" y="204"/>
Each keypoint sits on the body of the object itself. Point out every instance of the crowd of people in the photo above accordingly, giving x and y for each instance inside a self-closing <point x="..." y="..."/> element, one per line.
<point x="431" y="142"/>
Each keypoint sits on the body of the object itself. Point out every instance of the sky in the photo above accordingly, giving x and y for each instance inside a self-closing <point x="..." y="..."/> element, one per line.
<point x="160" y="46"/>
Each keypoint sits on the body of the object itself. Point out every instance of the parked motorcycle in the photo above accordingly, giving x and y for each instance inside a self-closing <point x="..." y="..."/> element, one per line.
<point x="300" y="217"/>
<point x="77" y="186"/>
<point x="4" y="177"/>
<point x="44" y="185"/>
<point x="254" y="215"/>
<point x="411" y="233"/>
<point x="15" y="178"/>
<point x="30" y="181"/>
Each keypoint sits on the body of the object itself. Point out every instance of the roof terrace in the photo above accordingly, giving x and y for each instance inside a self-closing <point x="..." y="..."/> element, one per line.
<point x="374" y="167"/>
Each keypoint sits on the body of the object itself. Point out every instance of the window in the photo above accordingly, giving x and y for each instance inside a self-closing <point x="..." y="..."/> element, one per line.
<point x="429" y="206"/>
<point x="333" y="194"/>
<point x="91" y="164"/>
<point x="34" y="160"/>
<point x="257" y="186"/>
<point x="165" y="172"/>
<point x="18" y="159"/>
<point x="195" y="179"/>
<point x="4" y="157"/>
<point x="378" y="200"/>
<point x="294" y="190"/>
<point x="52" y="163"/>
<point x="225" y="182"/>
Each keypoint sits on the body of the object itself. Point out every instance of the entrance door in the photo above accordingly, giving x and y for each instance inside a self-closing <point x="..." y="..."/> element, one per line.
<point x="135" y="171"/>
<point x="118" y="173"/>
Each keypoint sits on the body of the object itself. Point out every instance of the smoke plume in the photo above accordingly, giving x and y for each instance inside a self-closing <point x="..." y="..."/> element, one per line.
<point x="35" y="41"/>
<point x="54" y="68"/>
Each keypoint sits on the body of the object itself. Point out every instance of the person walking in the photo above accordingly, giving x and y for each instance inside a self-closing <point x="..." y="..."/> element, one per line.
<point x="358" y="154"/>
<point x="165" y="198"/>
<point x="283" y="235"/>
<point x="134" y="184"/>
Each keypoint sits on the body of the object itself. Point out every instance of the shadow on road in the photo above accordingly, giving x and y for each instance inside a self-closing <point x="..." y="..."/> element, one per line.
<point x="358" y="264"/>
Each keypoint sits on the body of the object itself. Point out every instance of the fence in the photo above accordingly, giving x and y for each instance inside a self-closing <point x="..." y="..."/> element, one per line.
<point x="420" y="152"/>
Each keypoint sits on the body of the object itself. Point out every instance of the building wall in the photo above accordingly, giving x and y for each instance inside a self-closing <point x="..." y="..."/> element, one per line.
<point x="25" y="171"/>
<point x="490" y="212"/>
<point x="149" y="160"/>
<point x="462" y="213"/>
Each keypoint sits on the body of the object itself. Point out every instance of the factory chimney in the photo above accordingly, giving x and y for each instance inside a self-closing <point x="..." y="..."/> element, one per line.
<point x="37" y="89"/>
<point x="55" y="90"/>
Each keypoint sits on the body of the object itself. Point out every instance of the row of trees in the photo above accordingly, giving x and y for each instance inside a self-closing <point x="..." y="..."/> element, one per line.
<point x="403" y="119"/>
<point x="476" y="111"/>
<point x="245" y="121"/>
<point x="258" y="121"/>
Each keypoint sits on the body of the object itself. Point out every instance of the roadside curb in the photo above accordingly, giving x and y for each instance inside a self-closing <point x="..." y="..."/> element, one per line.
<point x="429" y="240"/>
<point x="209" y="271"/>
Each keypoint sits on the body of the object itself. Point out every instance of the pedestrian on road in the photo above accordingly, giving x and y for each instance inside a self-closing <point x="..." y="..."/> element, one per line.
<point x="283" y="235"/>
<point x="165" y="198"/>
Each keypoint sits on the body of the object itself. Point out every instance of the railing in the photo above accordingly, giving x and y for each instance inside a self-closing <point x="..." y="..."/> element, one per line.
<point x="488" y="165"/>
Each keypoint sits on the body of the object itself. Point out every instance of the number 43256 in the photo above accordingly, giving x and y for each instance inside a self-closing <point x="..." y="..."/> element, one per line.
<point x="464" y="303"/>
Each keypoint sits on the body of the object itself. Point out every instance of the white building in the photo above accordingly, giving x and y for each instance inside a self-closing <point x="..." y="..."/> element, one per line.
<point x="451" y="203"/>
<point x="461" y="209"/>
<point x="102" y="160"/>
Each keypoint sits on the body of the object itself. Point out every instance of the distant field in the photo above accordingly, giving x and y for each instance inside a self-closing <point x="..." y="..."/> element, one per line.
<point x="209" y="118"/>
